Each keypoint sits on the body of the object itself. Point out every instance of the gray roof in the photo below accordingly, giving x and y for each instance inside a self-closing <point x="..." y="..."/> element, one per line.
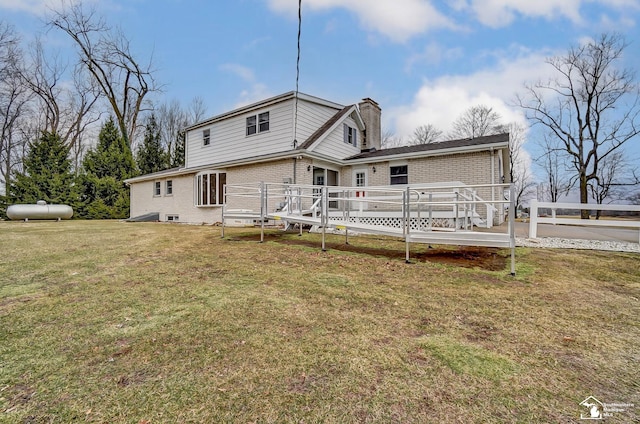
<point x="434" y="147"/>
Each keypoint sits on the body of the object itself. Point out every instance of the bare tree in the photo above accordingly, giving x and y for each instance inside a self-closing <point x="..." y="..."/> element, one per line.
<point x="425" y="134"/>
<point x="196" y="110"/>
<point x="66" y="109"/>
<point x="481" y="120"/>
<point x="390" y="140"/>
<point x="172" y="119"/>
<point x="592" y="107"/>
<point x="553" y="164"/>
<point x="520" y="167"/>
<point x="106" y="54"/>
<point x="477" y="121"/>
<point x="614" y="175"/>
<point x="14" y="99"/>
<point x="634" y="198"/>
<point x="603" y="186"/>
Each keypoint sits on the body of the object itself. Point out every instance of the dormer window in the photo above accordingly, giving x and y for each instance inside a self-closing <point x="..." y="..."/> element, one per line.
<point x="350" y="135"/>
<point x="258" y="123"/>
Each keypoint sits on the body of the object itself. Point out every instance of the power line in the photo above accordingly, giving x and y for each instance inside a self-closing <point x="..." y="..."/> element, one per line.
<point x="295" y="120"/>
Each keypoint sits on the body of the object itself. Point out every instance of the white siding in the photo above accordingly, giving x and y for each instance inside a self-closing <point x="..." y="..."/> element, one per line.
<point x="333" y="145"/>
<point x="229" y="142"/>
<point x="311" y="116"/>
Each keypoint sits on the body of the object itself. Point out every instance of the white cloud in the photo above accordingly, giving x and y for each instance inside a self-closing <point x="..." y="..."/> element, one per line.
<point x="441" y="101"/>
<point x="256" y="91"/>
<point x="42" y="7"/>
<point x="434" y="53"/>
<point x="240" y="71"/>
<point x="38" y="7"/>
<point x="497" y="13"/>
<point x="397" y="19"/>
<point x="500" y="13"/>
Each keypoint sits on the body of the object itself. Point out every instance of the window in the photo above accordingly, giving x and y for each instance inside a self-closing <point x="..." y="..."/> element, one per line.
<point x="210" y="188"/>
<point x="251" y="125"/>
<point x="156" y="188"/>
<point x="259" y="123"/>
<point x="399" y="174"/>
<point x="168" y="188"/>
<point x="350" y="135"/>
<point x="263" y="122"/>
<point x="173" y="218"/>
<point x="206" y="137"/>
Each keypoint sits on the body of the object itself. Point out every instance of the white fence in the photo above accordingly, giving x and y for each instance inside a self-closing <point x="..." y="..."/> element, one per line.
<point x="535" y="219"/>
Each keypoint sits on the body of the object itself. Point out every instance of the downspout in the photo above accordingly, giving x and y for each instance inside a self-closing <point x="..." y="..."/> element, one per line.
<point x="493" y="174"/>
<point x="493" y="181"/>
<point x="295" y="167"/>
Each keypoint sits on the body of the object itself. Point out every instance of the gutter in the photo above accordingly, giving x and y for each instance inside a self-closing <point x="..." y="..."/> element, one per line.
<point x="299" y="154"/>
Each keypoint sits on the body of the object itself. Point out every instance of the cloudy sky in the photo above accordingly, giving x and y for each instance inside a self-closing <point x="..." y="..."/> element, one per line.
<point x="423" y="61"/>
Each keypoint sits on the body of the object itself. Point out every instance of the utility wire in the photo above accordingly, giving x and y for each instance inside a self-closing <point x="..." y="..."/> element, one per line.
<point x="295" y="119"/>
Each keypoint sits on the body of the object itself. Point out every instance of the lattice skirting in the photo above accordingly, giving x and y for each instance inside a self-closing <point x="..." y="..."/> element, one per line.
<point x="397" y="222"/>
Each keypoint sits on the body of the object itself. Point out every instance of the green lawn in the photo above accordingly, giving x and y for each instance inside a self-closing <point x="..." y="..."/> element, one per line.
<point x="113" y="322"/>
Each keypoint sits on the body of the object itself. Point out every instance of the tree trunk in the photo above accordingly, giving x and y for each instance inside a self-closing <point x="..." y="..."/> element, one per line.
<point x="584" y="195"/>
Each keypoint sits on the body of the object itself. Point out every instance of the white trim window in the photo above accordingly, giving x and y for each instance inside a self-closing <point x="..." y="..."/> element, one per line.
<point x="350" y="135"/>
<point x="206" y="137"/>
<point x="257" y="123"/>
<point x="210" y="188"/>
<point x="156" y="189"/>
<point x="168" y="188"/>
<point x="399" y="174"/>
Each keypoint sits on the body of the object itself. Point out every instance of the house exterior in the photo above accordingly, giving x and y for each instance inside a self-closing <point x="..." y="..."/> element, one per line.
<point x="302" y="139"/>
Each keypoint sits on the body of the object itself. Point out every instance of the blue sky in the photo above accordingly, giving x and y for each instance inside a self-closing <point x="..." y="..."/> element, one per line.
<point x="423" y="61"/>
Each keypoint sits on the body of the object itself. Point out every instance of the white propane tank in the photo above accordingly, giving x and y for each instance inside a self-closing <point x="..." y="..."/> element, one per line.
<point x="41" y="210"/>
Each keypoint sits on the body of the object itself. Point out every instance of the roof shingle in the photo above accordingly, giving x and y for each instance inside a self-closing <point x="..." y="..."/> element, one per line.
<point x="450" y="144"/>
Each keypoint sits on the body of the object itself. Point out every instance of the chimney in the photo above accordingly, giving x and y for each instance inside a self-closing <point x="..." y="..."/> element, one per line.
<point x="370" y="112"/>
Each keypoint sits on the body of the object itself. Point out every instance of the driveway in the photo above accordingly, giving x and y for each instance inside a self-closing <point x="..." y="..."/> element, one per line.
<point x="579" y="232"/>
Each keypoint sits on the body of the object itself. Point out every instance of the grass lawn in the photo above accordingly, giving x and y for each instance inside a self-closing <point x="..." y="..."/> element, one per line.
<point x="112" y="322"/>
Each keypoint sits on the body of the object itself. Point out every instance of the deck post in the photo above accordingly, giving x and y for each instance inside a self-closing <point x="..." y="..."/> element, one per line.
<point x="430" y="212"/>
<point x="456" y="209"/>
<point x="263" y="201"/>
<point x="224" y="208"/>
<point x="512" y="229"/>
<point x="323" y="215"/>
<point x="407" y="223"/>
<point x="533" y="219"/>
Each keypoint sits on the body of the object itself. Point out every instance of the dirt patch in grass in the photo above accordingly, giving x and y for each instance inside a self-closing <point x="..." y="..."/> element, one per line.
<point x="486" y="258"/>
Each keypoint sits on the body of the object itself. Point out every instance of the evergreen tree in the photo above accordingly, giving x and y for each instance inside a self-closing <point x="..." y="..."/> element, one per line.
<point x="105" y="168"/>
<point x="151" y="156"/>
<point x="177" y="159"/>
<point x="47" y="174"/>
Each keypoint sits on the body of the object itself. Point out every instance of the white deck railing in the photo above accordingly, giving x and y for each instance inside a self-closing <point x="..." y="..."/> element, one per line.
<point x="408" y="211"/>
<point x="535" y="206"/>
